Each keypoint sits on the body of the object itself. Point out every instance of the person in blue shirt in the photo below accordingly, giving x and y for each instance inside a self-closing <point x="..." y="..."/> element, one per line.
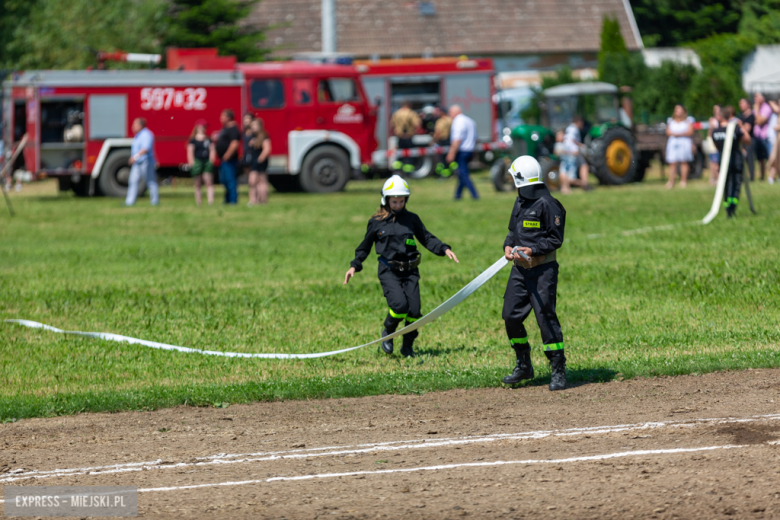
<point x="142" y="163"/>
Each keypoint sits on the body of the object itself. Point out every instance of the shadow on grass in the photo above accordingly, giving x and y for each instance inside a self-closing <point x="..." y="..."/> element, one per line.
<point x="575" y="377"/>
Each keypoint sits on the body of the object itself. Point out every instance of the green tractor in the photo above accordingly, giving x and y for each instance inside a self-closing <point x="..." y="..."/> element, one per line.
<point x="610" y="146"/>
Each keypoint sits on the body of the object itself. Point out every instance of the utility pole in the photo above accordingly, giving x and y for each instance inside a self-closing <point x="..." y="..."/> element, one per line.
<point x="329" y="26"/>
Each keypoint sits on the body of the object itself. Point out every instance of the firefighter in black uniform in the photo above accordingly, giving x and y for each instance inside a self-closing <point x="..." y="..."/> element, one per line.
<point x="393" y="230"/>
<point x="535" y="234"/>
<point x="736" y="161"/>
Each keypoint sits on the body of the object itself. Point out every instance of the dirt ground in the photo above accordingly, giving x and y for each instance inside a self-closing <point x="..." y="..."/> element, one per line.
<point x="684" y="447"/>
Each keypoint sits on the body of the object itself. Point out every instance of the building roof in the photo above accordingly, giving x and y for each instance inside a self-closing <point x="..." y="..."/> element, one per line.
<point x="393" y="28"/>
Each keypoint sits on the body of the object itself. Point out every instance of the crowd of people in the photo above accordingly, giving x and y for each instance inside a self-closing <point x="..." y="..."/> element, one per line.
<point x="451" y="128"/>
<point x="758" y="120"/>
<point x="208" y="154"/>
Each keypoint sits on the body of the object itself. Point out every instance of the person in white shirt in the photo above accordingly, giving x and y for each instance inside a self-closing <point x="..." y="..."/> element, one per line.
<point x="574" y="170"/>
<point x="463" y="139"/>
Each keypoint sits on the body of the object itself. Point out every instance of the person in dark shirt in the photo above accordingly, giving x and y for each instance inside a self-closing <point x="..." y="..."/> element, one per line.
<point x="536" y="230"/>
<point x="392" y="231"/>
<point x="198" y="157"/>
<point x="736" y="161"/>
<point x="226" y="149"/>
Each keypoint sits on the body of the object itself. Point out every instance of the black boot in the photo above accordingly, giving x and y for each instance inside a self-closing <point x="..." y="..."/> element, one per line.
<point x="524" y="369"/>
<point x="558" y="379"/>
<point x="406" y="347"/>
<point x="386" y="346"/>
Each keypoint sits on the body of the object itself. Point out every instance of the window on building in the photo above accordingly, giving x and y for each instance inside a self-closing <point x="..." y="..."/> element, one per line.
<point x="267" y="93"/>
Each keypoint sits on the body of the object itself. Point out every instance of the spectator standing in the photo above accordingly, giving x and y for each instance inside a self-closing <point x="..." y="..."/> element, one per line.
<point x="575" y="169"/>
<point x="441" y="136"/>
<point x="736" y="160"/>
<point x="774" y="155"/>
<point x="201" y="168"/>
<point x="246" y="136"/>
<point x="714" y="154"/>
<point x="258" y="151"/>
<point x="405" y="123"/>
<point x="762" y="111"/>
<point x="142" y="163"/>
<point x="748" y="121"/>
<point x="463" y="137"/>
<point x="226" y="149"/>
<point x="679" y="146"/>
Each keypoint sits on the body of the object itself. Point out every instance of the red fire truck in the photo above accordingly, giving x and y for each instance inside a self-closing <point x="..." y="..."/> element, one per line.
<point x="78" y="122"/>
<point x="319" y="117"/>
<point x="430" y="81"/>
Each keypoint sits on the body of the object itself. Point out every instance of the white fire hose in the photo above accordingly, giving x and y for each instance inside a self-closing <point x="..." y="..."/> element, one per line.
<point x="442" y="309"/>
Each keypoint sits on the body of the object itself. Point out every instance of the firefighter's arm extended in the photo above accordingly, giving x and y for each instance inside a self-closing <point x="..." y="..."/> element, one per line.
<point x="362" y="252"/>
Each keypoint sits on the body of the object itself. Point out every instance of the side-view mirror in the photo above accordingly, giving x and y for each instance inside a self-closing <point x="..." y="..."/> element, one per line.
<point x="378" y="101"/>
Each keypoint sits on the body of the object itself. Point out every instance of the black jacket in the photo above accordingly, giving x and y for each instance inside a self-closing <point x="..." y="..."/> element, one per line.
<point x="394" y="237"/>
<point x="537" y="224"/>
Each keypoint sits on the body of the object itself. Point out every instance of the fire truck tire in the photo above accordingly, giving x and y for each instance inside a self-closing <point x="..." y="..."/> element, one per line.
<point x="285" y="183"/>
<point x="325" y="169"/>
<point x="115" y="174"/>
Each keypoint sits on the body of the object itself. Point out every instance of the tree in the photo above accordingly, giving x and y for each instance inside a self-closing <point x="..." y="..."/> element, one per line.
<point x="669" y="23"/>
<point x="66" y="34"/>
<point x="616" y="64"/>
<point x="215" y="23"/>
<point x="14" y="14"/>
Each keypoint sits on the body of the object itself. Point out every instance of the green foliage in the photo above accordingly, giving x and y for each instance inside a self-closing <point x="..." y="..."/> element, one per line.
<point x="669" y="23"/>
<point x="14" y="15"/>
<point x="215" y="23"/>
<point x="66" y="34"/>
<point x="612" y="44"/>
<point x="270" y="280"/>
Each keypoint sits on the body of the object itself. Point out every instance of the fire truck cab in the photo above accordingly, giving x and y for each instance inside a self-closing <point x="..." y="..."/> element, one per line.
<point x="78" y="122"/>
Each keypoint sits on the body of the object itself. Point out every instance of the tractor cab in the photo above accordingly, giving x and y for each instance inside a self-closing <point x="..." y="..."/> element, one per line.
<point x="596" y="102"/>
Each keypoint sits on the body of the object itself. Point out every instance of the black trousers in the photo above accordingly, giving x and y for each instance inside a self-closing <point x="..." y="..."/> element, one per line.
<point x="536" y="289"/>
<point x="733" y="187"/>
<point x="402" y="292"/>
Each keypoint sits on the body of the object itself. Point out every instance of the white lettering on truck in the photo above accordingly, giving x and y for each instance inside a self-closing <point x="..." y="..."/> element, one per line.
<point x="167" y="98"/>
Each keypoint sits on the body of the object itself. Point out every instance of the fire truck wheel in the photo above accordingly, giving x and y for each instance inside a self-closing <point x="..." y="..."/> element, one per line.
<point x="115" y="175"/>
<point x="285" y="183"/>
<point x="325" y="169"/>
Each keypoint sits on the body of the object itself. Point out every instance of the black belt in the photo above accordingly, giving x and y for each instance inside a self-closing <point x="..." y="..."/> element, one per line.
<point x="401" y="266"/>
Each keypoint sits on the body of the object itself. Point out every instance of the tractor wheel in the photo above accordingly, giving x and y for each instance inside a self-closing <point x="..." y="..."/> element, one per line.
<point x="499" y="173"/>
<point x="285" y="183"/>
<point x="550" y="173"/>
<point x="615" y="157"/>
<point x="325" y="170"/>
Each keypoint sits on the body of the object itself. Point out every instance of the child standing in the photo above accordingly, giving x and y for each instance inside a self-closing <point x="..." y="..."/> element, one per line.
<point x="392" y="230"/>
<point x="736" y="161"/>
<point x="535" y="229"/>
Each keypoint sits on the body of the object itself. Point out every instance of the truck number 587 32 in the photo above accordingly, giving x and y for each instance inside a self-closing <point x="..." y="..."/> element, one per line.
<point x="167" y="98"/>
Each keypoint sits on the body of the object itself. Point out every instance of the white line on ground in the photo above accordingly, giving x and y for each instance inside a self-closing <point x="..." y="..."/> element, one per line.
<point x="331" y="451"/>
<point x="637" y="453"/>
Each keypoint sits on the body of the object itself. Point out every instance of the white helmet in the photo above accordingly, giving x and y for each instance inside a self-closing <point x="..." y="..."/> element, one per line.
<point x="395" y="186"/>
<point x="525" y="171"/>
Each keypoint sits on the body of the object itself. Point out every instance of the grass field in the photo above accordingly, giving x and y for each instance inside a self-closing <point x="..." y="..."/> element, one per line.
<point x="269" y="279"/>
